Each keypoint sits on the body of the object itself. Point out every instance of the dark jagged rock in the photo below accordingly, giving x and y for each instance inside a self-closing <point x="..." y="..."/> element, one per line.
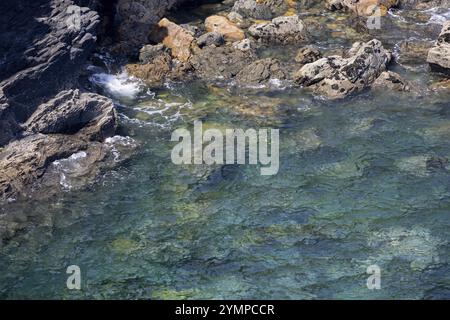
<point x="45" y="45"/>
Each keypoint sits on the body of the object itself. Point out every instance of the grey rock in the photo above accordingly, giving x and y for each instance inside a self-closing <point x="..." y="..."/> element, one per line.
<point x="210" y="38"/>
<point x="307" y="55"/>
<point x="260" y="72"/>
<point x="284" y="30"/>
<point x="439" y="55"/>
<point x="223" y="62"/>
<point x="337" y="77"/>
<point x="264" y="10"/>
<point x="391" y="81"/>
<point x="71" y="112"/>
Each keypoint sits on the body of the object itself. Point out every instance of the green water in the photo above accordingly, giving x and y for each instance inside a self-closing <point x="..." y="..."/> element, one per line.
<point x="353" y="190"/>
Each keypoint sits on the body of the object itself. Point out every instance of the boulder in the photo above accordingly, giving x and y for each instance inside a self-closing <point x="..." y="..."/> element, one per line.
<point x="210" y="39"/>
<point x="439" y="55"/>
<point x="391" y="81"/>
<point x="225" y="27"/>
<point x="223" y="62"/>
<point x="307" y="55"/>
<point x="260" y="72"/>
<point x="336" y="77"/>
<point x="261" y="10"/>
<point x="176" y="38"/>
<point x="283" y="30"/>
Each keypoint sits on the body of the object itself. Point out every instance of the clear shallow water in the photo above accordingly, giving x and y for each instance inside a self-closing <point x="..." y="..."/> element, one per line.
<point x="353" y="190"/>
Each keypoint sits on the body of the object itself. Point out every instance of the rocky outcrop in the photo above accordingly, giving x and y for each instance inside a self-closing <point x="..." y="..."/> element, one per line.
<point x="337" y="77"/>
<point x="260" y="72"/>
<point x="44" y="46"/>
<point x="263" y="10"/>
<point x="225" y="27"/>
<point x="66" y="124"/>
<point x="282" y="30"/>
<point x="74" y="112"/>
<point x="439" y="55"/>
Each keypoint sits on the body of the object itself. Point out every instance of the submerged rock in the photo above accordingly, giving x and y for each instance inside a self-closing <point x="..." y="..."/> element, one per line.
<point x="439" y="55"/>
<point x="337" y="77"/>
<point x="261" y="71"/>
<point x="225" y="27"/>
<point x="284" y="30"/>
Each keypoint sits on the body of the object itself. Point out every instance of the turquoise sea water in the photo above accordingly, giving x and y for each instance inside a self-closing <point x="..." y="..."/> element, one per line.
<point x="354" y="189"/>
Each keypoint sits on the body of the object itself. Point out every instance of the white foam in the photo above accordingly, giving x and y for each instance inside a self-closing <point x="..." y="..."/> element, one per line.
<point x="119" y="85"/>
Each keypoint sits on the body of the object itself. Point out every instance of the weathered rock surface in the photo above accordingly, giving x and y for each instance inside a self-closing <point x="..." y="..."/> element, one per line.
<point x="307" y="55"/>
<point x="43" y="50"/>
<point x="210" y="39"/>
<point x="263" y="10"/>
<point x="391" y="81"/>
<point x="336" y="77"/>
<point x="178" y="39"/>
<point x="71" y="112"/>
<point x="225" y="27"/>
<point x="363" y="7"/>
<point x="439" y="55"/>
<point x="284" y="30"/>
<point x="64" y="125"/>
<point x="261" y="71"/>
<point x="223" y="62"/>
<point x="25" y="161"/>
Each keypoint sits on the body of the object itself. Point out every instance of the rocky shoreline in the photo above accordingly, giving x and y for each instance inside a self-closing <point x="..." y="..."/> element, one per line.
<point x="46" y="114"/>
